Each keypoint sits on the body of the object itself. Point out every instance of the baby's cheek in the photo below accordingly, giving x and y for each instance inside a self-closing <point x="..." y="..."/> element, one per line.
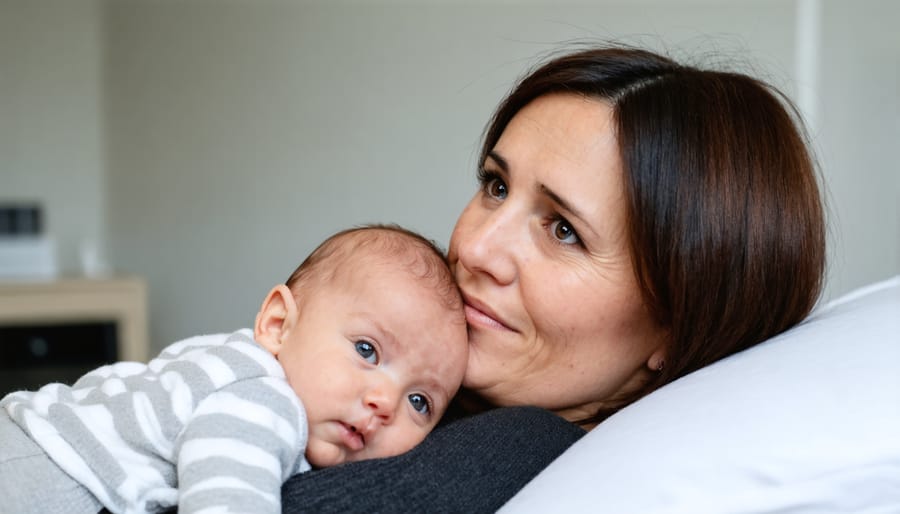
<point x="322" y="454"/>
<point x="406" y="442"/>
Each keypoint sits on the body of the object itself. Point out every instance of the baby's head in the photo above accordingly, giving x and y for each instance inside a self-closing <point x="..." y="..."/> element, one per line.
<point x="371" y="333"/>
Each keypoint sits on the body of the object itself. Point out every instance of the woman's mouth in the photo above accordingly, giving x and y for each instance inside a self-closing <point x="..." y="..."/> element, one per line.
<point x="480" y="315"/>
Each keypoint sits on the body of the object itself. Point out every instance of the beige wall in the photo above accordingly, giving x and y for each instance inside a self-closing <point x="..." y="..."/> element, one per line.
<point x="238" y="133"/>
<point x="859" y="137"/>
<point x="51" y="109"/>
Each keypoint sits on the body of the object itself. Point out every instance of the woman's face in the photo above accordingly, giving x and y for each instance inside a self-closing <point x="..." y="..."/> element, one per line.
<point x="541" y="255"/>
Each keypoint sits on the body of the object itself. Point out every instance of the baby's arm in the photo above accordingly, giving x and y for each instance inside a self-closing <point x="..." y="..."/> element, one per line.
<point x="239" y="446"/>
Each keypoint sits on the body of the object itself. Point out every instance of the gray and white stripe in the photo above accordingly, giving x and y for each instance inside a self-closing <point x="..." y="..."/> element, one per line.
<point x="211" y="422"/>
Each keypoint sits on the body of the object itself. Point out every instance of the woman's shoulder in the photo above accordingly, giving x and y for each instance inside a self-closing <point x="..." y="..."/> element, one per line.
<point x="530" y="421"/>
<point x="472" y="464"/>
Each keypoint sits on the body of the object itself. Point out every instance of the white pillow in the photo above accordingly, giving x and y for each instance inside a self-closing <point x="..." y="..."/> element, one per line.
<point x="808" y="422"/>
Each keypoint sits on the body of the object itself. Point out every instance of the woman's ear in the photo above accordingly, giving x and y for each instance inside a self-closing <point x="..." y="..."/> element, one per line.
<point x="275" y="318"/>
<point x="657" y="360"/>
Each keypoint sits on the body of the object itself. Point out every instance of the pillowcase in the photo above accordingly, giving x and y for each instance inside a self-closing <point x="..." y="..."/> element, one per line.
<point x="807" y="422"/>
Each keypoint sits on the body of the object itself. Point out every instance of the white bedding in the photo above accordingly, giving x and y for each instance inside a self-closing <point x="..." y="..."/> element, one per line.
<point x="808" y="422"/>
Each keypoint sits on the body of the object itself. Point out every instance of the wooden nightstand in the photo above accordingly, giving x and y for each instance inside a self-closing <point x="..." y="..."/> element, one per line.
<point x="57" y="330"/>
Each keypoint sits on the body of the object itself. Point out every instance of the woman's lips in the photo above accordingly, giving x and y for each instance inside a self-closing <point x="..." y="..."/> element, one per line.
<point x="479" y="314"/>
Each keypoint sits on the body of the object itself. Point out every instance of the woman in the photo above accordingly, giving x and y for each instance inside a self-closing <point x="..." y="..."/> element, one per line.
<point x="637" y="220"/>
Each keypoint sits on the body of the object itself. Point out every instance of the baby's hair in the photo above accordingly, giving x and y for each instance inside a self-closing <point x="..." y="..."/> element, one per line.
<point x="421" y="257"/>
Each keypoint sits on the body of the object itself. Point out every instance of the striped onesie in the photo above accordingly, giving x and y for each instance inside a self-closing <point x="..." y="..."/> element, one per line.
<point x="209" y="425"/>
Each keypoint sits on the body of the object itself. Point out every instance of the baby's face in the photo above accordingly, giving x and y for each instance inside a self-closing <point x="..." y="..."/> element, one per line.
<point x="375" y="356"/>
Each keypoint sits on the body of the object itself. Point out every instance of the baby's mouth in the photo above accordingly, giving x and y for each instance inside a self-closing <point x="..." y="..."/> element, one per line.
<point x="352" y="438"/>
<point x="361" y="436"/>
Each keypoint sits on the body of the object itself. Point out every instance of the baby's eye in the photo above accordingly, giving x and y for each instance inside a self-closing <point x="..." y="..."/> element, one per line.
<point x="366" y="350"/>
<point x="564" y="232"/>
<point x="419" y="403"/>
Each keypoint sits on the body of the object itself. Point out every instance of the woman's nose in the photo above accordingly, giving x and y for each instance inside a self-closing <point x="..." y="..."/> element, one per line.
<point x="487" y="243"/>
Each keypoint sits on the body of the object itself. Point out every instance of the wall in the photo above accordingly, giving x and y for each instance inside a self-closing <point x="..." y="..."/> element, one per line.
<point x="233" y="135"/>
<point x="51" y="108"/>
<point x="242" y="133"/>
<point x="859" y="134"/>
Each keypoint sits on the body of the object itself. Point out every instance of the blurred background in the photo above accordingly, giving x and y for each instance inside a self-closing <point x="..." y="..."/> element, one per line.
<point x="204" y="147"/>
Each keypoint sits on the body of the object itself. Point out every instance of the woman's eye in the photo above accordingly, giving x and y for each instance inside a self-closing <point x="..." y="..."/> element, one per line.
<point x="366" y="350"/>
<point x="419" y="403"/>
<point x="564" y="232"/>
<point x="496" y="188"/>
<point x="492" y="185"/>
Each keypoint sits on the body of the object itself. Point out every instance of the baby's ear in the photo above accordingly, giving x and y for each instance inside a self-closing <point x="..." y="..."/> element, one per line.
<point x="275" y="318"/>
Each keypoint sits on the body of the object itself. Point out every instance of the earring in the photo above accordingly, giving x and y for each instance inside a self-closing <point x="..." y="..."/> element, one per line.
<point x="660" y="365"/>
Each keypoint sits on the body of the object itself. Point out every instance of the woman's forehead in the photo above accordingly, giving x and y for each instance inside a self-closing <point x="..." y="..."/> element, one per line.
<point x="560" y="116"/>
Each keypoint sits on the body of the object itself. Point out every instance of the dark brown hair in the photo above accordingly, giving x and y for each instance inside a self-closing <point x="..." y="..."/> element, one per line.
<point x="422" y="257"/>
<point x="725" y="220"/>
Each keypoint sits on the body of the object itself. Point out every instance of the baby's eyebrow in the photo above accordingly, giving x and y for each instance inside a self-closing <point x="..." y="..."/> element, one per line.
<point x="438" y="393"/>
<point x="385" y="334"/>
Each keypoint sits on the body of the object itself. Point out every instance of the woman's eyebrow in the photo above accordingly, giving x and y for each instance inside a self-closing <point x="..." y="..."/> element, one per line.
<point x="543" y="189"/>
<point x="497" y="158"/>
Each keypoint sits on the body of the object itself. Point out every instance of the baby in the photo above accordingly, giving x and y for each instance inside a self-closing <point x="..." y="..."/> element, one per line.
<point x="355" y="357"/>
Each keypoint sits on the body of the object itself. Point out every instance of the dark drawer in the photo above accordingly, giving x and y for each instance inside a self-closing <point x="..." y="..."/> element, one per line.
<point x="34" y="355"/>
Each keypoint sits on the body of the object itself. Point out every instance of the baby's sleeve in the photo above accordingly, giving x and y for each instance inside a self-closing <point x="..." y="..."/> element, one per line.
<point x="239" y="447"/>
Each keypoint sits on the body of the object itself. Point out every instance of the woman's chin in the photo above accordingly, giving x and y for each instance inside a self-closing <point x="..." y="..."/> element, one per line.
<point x="481" y="373"/>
